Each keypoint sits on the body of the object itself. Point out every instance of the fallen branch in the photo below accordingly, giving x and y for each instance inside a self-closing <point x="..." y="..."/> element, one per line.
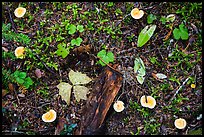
<point x="104" y="92"/>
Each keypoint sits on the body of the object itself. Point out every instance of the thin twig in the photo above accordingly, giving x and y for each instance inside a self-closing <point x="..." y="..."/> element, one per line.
<point x="19" y="132"/>
<point x="176" y="92"/>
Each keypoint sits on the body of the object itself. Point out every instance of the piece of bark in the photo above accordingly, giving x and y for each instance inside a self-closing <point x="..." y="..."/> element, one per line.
<point x="104" y="91"/>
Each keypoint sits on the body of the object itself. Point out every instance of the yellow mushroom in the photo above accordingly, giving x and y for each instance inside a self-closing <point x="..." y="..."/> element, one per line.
<point x="20" y="12"/>
<point x="19" y="52"/>
<point x="150" y="102"/>
<point x="50" y="116"/>
<point x="118" y="106"/>
<point x="193" y="85"/>
<point x="136" y="13"/>
<point x="180" y="123"/>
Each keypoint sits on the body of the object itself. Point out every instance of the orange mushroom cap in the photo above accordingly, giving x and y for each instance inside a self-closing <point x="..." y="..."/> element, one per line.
<point x="20" y="12"/>
<point x="118" y="106"/>
<point x="50" y="116"/>
<point x="19" y="52"/>
<point x="136" y="13"/>
<point x="180" y="123"/>
<point x="151" y="102"/>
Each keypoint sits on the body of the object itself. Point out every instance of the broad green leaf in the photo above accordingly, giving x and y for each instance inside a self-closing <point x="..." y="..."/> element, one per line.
<point x="151" y="18"/>
<point x="176" y="34"/>
<point x="19" y="80"/>
<point x="145" y="35"/>
<point x="22" y="75"/>
<point x="105" y="56"/>
<point x="184" y="35"/>
<point x="141" y="62"/>
<point x="139" y="66"/>
<point x="26" y="85"/>
<point x="65" y="91"/>
<point x="101" y="53"/>
<point x="16" y="74"/>
<point x="102" y="63"/>
<point x="80" y="28"/>
<point x="72" y="29"/>
<point x="136" y="66"/>
<point x="78" y="78"/>
<point x="73" y="42"/>
<point x="161" y="76"/>
<point x="140" y="79"/>
<point x="80" y="92"/>
<point x="62" y="50"/>
<point x="78" y="41"/>
<point x="29" y="80"/>
<point x="184" y="32"/>
<point x="110" y="55"/>
<point x="141" y="71"/>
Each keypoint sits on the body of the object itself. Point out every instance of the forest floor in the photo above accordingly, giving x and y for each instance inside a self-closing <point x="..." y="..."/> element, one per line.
<point x="45" y="32"/>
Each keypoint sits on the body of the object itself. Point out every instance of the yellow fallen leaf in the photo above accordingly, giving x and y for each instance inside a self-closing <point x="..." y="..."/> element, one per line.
<point x="78" y="78"/>
<point x="65" y="91"/>
<point x="80" y="92"/>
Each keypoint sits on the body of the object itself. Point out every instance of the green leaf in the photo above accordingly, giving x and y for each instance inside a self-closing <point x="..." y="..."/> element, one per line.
<point x="139" y="67"/>
<point x="106" y="57"/>
<point x="72" y="29"/>
<point x="101" y="54"/>
<point x="140" y="79"/>
<point x="141" y="71"/>
<point x="110" y="56"/>
<point x="176" y="34"/>
<point x="78" y="41"/>
<point x="182" y="32"/>
<point x="19" y="80"/>
<point x="22" y="75"/>
<point x="163" y="20"/>
<point x="26" y="85"/>
<point x="151" y="18"/>
<point x="62" y="51"/>
<point x="16" y="73"/>
<point x="29" y="80"/>
<point x="145" y="35"/>
<point x="102" y="63"/>
<point x="73" y="42"/>
<point x="80" y="28"/>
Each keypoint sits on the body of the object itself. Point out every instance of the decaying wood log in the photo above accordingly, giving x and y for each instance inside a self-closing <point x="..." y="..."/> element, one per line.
<point x="104" y="91"/>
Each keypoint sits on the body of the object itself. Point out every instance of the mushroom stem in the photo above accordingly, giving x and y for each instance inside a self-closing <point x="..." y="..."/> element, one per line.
<point x="146" y="99"/>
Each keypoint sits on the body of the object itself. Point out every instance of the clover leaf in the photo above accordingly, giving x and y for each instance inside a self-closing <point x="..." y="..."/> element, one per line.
<point x="72" y="29"/>
<point x="105" y="56"/>
<point x="62" y="50"/>
<point x="80" y="28"/>
<point x="182" y="32"/>
<point x="76" y="41"/>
